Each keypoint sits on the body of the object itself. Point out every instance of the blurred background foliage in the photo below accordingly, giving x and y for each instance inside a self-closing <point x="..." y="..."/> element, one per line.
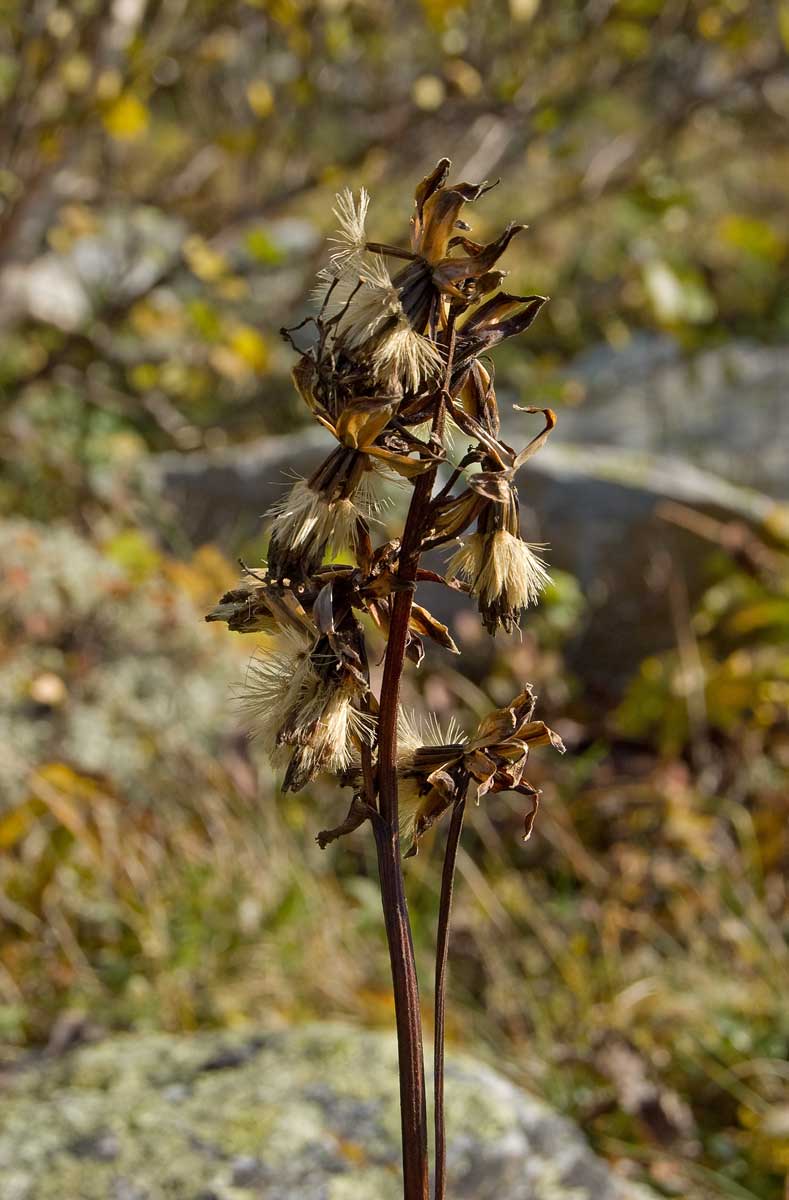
<point x="167" y="172"/>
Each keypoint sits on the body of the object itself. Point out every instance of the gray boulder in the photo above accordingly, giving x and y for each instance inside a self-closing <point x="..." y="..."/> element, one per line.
<point x="725" y="409"/>
<point x="309" y="1113"/>
<point x="614" y="520"/>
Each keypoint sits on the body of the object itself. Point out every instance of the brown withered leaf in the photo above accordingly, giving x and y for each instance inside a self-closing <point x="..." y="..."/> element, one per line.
<point x="440" y="211"/>
<point x="474" y="429"/>
<point x="425" y="575"/>
<point x="537" y="733"/>
<point x="402" y="463"/>
<point x="530" y="818"/>
<point x="259" y="607"/>
<point x="425" y="624"/>
<point x="358" y="813"/>
<point x="424" y="190"/>
<point x="503" y="316"/>
<point x="493" y="485"/>
<point x="323" y="610"/>
<point x="476" y="395"/>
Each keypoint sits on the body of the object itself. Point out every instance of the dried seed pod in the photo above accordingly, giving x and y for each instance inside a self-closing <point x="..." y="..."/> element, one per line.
<point x="504" y="572"/>
<point x="304" y="706"/>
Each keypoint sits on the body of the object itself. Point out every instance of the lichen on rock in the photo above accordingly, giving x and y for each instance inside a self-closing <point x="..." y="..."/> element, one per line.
<point x="277" y="1115"/>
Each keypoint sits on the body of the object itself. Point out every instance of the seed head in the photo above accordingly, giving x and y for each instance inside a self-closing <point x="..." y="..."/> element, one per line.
<point x="505" y="573"/>
<point x="422" y="746"/>
<point x="307" y="522"/>
<point x="301" y="713"/>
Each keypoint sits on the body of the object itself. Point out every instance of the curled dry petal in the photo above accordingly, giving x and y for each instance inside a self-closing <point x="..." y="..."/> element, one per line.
<point x="440" y="211"/>
<point x="451" y="271"/>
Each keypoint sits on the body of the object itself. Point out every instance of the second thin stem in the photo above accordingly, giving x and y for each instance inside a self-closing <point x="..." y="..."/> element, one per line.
<point x="442" y="950"/>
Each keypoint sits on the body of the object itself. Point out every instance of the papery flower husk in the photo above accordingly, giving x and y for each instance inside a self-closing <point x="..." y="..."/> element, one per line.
<point x="435" y="768"/>
<point x="429" y="771"/>
<point x="317" y="514"/>
<point x="504" y="572"/>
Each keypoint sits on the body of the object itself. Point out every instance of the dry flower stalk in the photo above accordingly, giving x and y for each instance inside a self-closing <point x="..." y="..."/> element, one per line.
<point x="393" y="357"/>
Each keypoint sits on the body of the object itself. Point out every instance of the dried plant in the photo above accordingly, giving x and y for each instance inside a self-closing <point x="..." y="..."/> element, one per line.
<point x="394" y="359"/>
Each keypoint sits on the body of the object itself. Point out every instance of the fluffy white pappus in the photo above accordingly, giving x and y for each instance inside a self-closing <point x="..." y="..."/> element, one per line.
<point x="373" y="313"/>
<point x="330" y="726"/>
<point x="405" y="355"/>
<point x="500" y="564"/>
<point x="277" y="679"/>
<point x="363" y="287"/>
<point x="410" y="807"/>
<point x="306" y="518"/>
<point x="371" y="298"/>
<point x="349" y="241"/>
<point x="290" y="705"/>
<point x="415" y="731"/>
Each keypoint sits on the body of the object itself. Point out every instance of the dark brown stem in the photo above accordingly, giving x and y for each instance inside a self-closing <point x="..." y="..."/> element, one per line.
<point x="413" y="1113"/>
<point x="442" y="950"/>
<point x="387" y="839"/>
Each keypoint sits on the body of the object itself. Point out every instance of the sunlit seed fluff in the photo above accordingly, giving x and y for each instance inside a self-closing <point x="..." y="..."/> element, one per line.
<point x="349" y="241"/>
<point x="371" y="304"/>
<point x="329" y="723"/>
<point x="414" y="731"/>
<point x="289" y="704"/>
<point x="332" y="292"/>
<point x="405" y="355"/>
<point x="501" y="565"/>
<point x="307" y="518"/>
<point x="278" y="678"/>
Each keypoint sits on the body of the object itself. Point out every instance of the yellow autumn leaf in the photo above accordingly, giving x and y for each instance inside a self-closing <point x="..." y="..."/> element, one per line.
<point x="250" y="347"/>
<point x="226" y="363"/>
<point x="260" y="97"/>
<point x="66" y="780"/>
<point x="203" y="261"/>
<point x="76" y="73"/>
<point x="133" y="551"/>
<point x="205" y="575"/>
<point x="127" y="118"/>
<point x="15" y="823"/>
<point x="756" y="237"/>
<point x="69" y="797"/>
<point x="232" y="287"/>
<point x="144" y="376"/>
<point x="108" y="85"/>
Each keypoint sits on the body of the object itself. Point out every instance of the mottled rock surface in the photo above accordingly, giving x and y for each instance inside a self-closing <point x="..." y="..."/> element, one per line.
<point x="308" y="1113"/>
<point x="724" y="409"/>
